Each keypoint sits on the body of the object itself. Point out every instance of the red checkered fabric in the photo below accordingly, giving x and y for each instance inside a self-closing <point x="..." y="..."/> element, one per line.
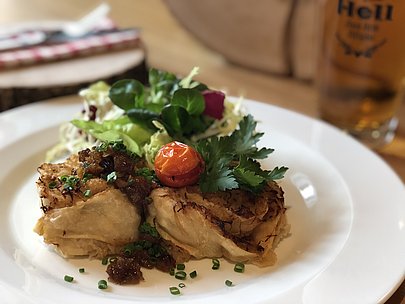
<point x="76" y="48"/>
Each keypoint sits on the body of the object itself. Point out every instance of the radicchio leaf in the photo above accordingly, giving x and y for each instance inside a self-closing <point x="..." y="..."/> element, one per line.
<point x="214" y="103"/>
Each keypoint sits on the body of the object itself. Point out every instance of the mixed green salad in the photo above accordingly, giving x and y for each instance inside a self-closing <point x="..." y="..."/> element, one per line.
<point x="146" y="117"/>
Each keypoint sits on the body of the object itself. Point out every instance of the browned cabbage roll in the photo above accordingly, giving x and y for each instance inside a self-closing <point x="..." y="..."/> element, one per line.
<point x="78" y="224"/>
<point x="234" y="224"/>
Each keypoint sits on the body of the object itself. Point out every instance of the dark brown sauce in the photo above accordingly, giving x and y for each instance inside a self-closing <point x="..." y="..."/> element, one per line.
<point x="101" y="162"/>
<point x="148" y="252"/>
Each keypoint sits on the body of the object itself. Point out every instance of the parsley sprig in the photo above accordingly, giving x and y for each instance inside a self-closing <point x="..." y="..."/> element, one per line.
<point x="231" y="161"/>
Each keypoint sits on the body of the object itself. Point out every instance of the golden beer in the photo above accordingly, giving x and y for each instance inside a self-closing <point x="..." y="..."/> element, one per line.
<point x="362" y="66"/>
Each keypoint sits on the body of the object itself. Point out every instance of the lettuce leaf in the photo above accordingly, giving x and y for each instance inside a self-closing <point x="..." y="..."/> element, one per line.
<point x="157" y="140"/>
<point x="122" y="129"/>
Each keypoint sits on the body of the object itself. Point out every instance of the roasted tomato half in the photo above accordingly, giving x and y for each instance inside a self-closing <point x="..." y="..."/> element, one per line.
<point x="178" y="165"/>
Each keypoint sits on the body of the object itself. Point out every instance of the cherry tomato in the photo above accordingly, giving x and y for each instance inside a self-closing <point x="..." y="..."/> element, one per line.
<point x="178" y="165"/>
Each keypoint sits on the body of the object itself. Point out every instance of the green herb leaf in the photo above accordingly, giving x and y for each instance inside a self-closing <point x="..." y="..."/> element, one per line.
<point x="197" y="124"/>
<point x="162" y="85"/>
<point x="248" y="178"/>
<point x="261" y="154"/>
<point x="239" y="267"/>
<point x="149" y="229"/>
<point x="245" y="138"/>
<point x="250" y="175"/>
<point x="277" y="173"/>
<point x="87" y="193"/>
<point x="143" y="117"/>
<point x="127" y="94"/>
<point x="230" y="161"/>
<point x="112" y="177"/>
<point x="52" y="184"/>
<point x="218" y="180"/>
<point x="190" y="99"/>
<point x="68" y="278"/>
<point x="181" y="275"/>
<point x="102" y="284"/>
<point x="174" y="118"/>
<point x="218" y="175"/>
<point x="215" y="264"/>
<point x="86" y="177"/>
<point x="174" y="291"/>
<point x="147" y="173"/>
<point x="70" y="182"/>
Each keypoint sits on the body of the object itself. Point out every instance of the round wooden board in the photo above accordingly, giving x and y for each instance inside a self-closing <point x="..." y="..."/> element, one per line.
<point x="43" y="81"/>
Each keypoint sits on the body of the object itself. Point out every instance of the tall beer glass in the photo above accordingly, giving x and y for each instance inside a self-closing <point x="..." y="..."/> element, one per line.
<point x="362" y="66"/>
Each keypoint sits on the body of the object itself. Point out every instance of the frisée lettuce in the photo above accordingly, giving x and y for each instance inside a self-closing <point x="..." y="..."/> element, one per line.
<point x="96" y="107"/>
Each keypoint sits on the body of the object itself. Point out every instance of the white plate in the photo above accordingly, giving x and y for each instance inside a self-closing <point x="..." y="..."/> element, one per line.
<point x="346" y="211"/>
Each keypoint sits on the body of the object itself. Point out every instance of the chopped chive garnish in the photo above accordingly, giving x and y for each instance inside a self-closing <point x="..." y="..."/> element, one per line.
<point x="52" y="185"/>
<point x="239" y="267"/>
<point x="68" y="278"/>
<point x="182" y="285"/>
<point x="119" y="146"/>
<point x="174" y="291"/>
<point x="172" y="271"/>
<point x="104" y="261"/>
<point x="181" y="267"/>
<point x="102" y="147"/>
<point x="86" y="177"/>
<point x="127" y="251"/>
<point x="87" y="193"/>
<point x="149" y="229"/>
<point x="193" y="274"/>
<point x="181" y="275"/>
<point x="69" y="182"/>
<point x="102" y="284"/>
<point x="228" y="283"/>
<point x="81" y="270"/>
<point x="215" y="264"/>
<point x="112" y="177"/>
